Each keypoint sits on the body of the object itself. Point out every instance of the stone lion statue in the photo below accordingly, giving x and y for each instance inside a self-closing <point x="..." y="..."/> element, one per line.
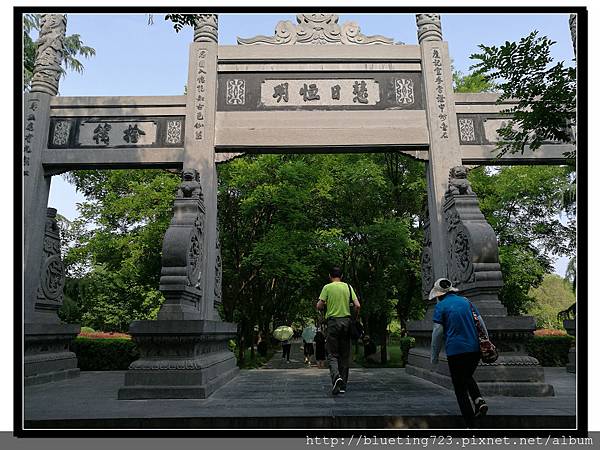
<point x="190" y="186"/>
<point x="458" y="183"/>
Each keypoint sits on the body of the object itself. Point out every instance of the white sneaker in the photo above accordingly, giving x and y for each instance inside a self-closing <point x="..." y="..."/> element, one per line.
<point x="337" y="386"/>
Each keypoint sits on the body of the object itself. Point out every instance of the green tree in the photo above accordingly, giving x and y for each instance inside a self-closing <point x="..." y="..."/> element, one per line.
<point x="545" y="93"/>
<point x="471" y="83"/>
<point x="523" y="205"/>
<point x="552" y="296"/>
<point x="74" y="48"/>
<point x="113" y="249"/>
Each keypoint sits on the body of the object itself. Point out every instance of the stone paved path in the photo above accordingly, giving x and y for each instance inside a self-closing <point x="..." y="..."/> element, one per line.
<point x="301" y="398"/>
<point x="296" y="359"/>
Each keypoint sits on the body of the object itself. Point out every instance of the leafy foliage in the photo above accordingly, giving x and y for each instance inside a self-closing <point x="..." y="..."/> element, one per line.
<point x="74" y="48"/>
<point x="552" y="296"/>
<point x="523" y="206"/>
<point x="472" y="83"/>
<point x="181" y="20"/>
<point x="545" y="94"/>
<point x="113" y="261"/>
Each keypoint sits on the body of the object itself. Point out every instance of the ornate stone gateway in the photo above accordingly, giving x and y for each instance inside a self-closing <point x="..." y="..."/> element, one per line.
<point x="314" y="86"/>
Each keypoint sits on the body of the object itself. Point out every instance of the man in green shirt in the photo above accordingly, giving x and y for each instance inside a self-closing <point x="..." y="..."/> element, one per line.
<point x="336" y="296"/>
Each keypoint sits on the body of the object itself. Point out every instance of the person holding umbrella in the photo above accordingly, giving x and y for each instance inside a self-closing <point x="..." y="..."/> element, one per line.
<point x="284" y="334"/>
<point x="308" y="336"/>
<point x="337" y="297"/>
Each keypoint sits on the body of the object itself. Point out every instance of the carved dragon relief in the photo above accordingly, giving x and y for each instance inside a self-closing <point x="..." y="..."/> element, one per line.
<point x="49" y="54"/>
<point x="316" y="29"/>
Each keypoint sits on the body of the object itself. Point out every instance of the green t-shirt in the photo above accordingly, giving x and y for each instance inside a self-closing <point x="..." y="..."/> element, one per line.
<point x="336" y="296"/>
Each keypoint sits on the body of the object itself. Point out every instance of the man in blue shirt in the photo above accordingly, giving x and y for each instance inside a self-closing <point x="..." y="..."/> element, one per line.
<point x="454" y="323"/>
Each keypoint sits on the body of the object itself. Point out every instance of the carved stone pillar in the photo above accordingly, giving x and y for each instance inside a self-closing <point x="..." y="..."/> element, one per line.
<point x="573" y="27"/>
<point x="473" y="266"/>
<point x="49" y="55"/>
<point x="184" y="353"/>
<point x="207" y="28"/>
<point x="429" y="27"/>
<point x="47" y="355"/>
<point x="46" y="352"/>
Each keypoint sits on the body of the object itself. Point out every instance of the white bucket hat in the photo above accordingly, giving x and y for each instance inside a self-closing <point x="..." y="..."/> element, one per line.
<point x="440" y="287"/>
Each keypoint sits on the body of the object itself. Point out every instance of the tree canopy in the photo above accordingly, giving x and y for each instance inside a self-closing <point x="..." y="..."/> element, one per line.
<point x="545" y="93"/>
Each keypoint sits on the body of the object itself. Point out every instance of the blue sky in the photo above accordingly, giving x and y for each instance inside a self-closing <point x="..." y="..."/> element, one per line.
<point x="133" y="58"/>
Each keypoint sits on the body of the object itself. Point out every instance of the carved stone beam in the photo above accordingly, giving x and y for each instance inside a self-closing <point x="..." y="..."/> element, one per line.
<point x="49" y="54"/>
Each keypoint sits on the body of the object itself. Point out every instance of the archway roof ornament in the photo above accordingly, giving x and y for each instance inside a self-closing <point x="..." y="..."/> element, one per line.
<point x="317" y="29"/>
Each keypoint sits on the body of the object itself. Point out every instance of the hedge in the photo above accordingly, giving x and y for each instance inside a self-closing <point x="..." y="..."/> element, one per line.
<point x="104" y="354"/>
<point x="550" y="351"/>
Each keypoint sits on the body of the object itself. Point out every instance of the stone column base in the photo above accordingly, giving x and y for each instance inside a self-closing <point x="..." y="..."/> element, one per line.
<point x="180" y="359"/>
<point x="47" y="356"/>
<point x="571" y="365"/>
<point x="514" y="374"/>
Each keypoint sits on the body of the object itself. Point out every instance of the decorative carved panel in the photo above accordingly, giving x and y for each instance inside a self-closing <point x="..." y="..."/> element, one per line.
<point x="316" y="29"/>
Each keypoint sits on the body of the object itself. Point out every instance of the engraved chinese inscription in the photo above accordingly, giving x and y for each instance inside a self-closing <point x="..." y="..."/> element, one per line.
<point x="310" y="92"/>
<point x="200" y="96"/>
<point x="236" y="92"/>
<point x="281" y="92"/>
<point x="360" y="92"/>
<point x="405" y="93"/>
<point x="101" y="133"/>
<point x="440" y="92"/>
<point x="321" y="92"/>
<point x="132" y="134"/>
<point x="29" y="128"/>
<point x="113" y="133"/>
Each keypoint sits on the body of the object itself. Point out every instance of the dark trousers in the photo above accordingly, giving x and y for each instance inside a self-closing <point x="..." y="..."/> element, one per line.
<point x="462" y="367"/>
<point x="286" y="351"/>
<point x="338" y="347"/>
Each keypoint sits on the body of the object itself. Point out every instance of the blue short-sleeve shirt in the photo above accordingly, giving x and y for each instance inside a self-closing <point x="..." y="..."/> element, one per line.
<point x="460" y="334"/>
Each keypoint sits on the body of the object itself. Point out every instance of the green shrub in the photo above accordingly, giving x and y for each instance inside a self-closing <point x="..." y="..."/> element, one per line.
<point x="104" y="354"/>
<point x="550" y="351"/>
<point x="87" y="330"/>
<point x="406" y="343"/>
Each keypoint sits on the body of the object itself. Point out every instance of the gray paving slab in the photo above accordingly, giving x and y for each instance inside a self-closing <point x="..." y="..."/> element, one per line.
<point x="277" y="397"/>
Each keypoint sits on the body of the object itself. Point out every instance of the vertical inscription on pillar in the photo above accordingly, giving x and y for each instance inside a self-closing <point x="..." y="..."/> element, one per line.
<point x="200" y="96"/>
<point x="440" y="92"/>
<point x="28" y="136"/>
